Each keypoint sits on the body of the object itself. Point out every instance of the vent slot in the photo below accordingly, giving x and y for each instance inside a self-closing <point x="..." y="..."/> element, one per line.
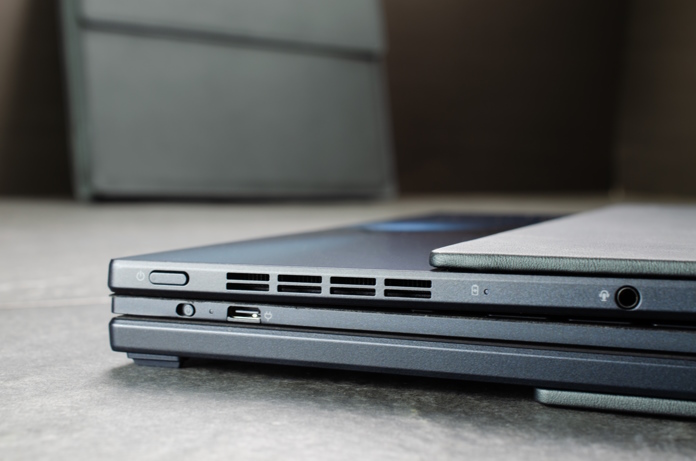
<point x="298" y="289"/>
<point x="408" y="283"/>
<point x="353" y="291"/>
<point x="353" y="281"/>
<point x="247" y="286"/>
<point x="407" y="294"/>
<point x="245" y="276"/>
<point x="300" y="278"/>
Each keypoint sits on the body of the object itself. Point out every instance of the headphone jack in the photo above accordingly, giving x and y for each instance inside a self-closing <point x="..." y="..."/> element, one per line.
<point x="627" y="297"/>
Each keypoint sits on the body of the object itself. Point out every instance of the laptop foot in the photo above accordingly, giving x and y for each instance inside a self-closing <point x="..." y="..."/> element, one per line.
<point x="620" y="403"/>
<point x="150" y="360"/>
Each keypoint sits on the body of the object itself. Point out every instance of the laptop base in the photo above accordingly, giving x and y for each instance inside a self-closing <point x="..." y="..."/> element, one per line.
<point x="164" y="342"/>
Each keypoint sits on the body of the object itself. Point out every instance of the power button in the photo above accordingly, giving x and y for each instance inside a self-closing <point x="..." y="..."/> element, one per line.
<point x="168" y="278"/>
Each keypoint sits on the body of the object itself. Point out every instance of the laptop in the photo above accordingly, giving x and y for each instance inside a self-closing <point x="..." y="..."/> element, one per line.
<point x="365" y="298"/>
<point x="387" y="264"/>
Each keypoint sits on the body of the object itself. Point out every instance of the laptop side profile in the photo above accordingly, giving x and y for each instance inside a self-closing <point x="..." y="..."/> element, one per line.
<point x="387" y="264"/>
<point x="573" y="356"/>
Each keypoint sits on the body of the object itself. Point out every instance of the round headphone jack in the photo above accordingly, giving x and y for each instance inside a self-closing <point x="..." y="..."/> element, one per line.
<point x="627" y="297"/>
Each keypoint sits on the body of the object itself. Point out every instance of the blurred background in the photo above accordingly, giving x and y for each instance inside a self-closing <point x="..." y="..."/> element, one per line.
<point x="326" y="98"/>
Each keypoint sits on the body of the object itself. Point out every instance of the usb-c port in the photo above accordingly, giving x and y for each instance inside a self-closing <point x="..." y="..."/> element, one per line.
<point x="243" y="314"/>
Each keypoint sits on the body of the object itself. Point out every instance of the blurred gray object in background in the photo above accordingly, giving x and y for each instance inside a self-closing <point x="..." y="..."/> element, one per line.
<point x="227" y="98"/>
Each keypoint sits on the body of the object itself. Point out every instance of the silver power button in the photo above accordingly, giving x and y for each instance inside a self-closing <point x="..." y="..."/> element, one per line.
<point x="168" y="278"/>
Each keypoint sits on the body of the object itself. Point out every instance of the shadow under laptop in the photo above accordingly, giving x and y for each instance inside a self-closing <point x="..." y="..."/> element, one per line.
<point x="445" y="403"/>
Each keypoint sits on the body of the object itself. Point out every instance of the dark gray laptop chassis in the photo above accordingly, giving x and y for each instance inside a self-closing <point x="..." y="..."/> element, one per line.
<point x="593" y="356"/>
<point x="386" y="264"/>
<point x="607" y="379"/>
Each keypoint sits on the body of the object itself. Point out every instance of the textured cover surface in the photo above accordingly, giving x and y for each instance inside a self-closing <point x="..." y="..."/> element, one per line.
<point x="649" y="240"/>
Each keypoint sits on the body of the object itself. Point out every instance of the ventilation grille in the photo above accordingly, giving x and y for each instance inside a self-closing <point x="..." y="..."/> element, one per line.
<point x="341" y="286"/>
<point x="244" y="276"/>
<point x="350" y="291"/>
<point x="408" y="283"/>
<point x="353" y="281"/>
<point x="299" y="278"/>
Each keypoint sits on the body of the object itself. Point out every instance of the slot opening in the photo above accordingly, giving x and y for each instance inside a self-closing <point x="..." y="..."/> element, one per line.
<point x="353" y="291"/>
<point x="299" y="278"/>
<point x="247" y="286"/>
<point x="407" y="294"/>
<point x="247" y="276"/>
<point x="353" y="281"/>
<point x="408" y="283"/>
<point x="298" y="289"/>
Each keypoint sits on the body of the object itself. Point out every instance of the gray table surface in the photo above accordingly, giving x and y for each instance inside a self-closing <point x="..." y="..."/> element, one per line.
<point x="65" y="395"/>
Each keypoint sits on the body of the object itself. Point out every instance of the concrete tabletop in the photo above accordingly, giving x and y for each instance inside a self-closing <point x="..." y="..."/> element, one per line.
<point x="65" y="395"/>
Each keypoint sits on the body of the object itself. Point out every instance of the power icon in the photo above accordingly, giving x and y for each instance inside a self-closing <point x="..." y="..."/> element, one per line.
<point x="140" y="276"/>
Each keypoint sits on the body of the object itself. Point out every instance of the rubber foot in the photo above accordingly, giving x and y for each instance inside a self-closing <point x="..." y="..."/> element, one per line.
<point x="151" y="360"/>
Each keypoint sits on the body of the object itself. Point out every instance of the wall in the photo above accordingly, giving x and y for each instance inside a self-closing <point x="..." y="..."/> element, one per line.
<point x="33" y="143"/>
<point x="486" y="95"/>
<point x="504" y="95"/>
<point x="656" y="145"/>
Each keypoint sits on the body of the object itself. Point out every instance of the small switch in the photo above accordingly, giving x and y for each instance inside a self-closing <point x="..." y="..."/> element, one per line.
<point x="168" y="278"/>
<point x="185" y="310"/>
